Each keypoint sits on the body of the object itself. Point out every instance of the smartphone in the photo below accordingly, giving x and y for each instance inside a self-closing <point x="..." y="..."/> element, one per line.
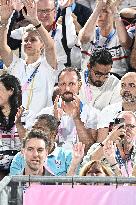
<point x="59" y="102"/>
<point x="118" y="121"/>
<point x="24" y="115"/>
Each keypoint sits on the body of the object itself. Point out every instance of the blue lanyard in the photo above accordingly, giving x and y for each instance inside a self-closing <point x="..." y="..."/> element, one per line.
<point x="53" y="33"/>
<point x="86" y="76"/>
<point x="81" y="107"/>
<point x="109" y="37"/>
<point x="119" y="158"/>
<point x="54" y="29"/>
<point x="34" y="73"/>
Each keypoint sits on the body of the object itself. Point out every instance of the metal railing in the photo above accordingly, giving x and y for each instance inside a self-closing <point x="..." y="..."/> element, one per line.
<point x="11" y="187"/>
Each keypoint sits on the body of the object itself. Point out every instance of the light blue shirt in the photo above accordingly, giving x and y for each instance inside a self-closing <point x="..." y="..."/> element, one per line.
<point x="57" y="162"/>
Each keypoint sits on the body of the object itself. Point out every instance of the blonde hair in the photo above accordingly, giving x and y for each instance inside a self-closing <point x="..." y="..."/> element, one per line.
<point x="32" y="29"/>
<point x="93" y="163"/>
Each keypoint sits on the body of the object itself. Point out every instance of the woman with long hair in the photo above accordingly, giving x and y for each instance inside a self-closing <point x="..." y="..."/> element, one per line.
<point x="10" y="101"/>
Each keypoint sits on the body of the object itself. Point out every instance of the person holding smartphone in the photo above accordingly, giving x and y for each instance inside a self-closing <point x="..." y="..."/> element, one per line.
<point x="118" y="150"/>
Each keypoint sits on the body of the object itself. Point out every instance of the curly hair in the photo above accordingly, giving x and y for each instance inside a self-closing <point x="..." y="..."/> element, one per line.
<point x="10" y="82"/>
<point x="100" y="56"/>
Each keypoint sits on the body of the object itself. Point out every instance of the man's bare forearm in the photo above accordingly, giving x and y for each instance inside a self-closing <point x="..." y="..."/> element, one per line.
<point x="133" y="56"/>
<point x="50" y="50"/>
<point x="5" y="51"/>
<point x="83" y="134"/>
<point x="124" y="39"/>
<point x="87" y="32"/>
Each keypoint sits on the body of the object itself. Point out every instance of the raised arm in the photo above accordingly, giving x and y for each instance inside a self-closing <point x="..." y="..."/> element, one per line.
<point x="77" y="156"/>
<point x="87" y="32"/>
<point x="20" y="128"/>
<point x="31" y="16"/>
<point x="84" y="134"/>
<point x="5" y="13"/>
<point x="70" y="29"/>
<point x="109" y="150"/>
<point x="133" y="53"/>
<point x="124" y="38"/>
<point x="112" y="136"/>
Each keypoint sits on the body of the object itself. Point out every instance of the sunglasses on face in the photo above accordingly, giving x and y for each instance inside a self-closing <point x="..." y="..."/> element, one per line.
<point x="100" y="74"/>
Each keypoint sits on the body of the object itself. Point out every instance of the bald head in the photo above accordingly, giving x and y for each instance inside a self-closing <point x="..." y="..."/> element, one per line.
<point x="128" y="116"/>
<point x="128" y="87"/>
<point x="131" y="75"/>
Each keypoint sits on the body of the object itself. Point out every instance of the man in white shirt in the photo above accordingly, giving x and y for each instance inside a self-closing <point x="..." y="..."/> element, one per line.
<point x="100" y="31"/>
<point x="99" y="88"/>
<point x="77" y="120"/>
<point x="128" y="103"/>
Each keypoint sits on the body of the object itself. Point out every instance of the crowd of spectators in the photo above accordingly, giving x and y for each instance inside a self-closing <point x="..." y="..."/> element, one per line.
<point x="68" y="88"/>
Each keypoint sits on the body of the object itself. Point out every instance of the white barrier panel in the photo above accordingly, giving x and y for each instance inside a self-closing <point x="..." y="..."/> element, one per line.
<point x="79" y="195"/>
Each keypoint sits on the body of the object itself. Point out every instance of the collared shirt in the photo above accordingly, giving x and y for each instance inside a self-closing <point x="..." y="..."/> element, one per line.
<point x="57" y="162"/>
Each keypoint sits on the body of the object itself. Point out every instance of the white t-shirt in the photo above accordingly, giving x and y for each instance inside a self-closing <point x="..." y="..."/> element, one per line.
<point x="67" y="134"/>
<point x="120" y="56"/>
<point x="100" y="97"/>
<point x="127" y="4"/>
<point x="38" y="93"/>
<point x="108" y="114"/>
<point x="61" y="55"/>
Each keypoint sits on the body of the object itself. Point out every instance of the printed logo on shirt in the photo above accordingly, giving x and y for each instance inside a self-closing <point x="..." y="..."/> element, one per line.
<point x="58" y="163"/>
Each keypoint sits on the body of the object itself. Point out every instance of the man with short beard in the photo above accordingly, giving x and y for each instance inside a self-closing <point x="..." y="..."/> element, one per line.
<point x="98" y="83"/>
<point x="128" y="103"/>
<point x="78" y="121"/>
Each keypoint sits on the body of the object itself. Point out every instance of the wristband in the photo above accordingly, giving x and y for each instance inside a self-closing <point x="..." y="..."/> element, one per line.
<point x="38" y="26"/>
<point x="114" y="165"/>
